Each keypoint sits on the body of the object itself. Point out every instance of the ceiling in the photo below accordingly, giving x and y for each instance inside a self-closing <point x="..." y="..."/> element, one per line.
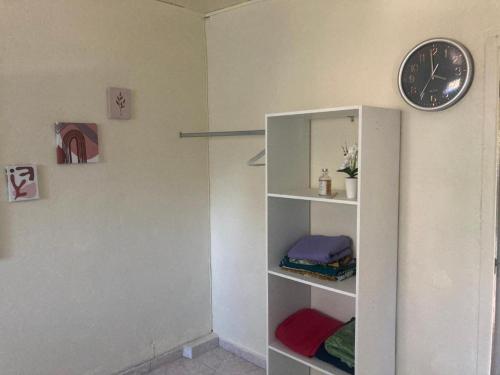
<point x="205" y="6"/>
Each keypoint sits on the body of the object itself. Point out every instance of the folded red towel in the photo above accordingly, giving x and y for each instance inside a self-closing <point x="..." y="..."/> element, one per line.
<point x="304" y="331"/>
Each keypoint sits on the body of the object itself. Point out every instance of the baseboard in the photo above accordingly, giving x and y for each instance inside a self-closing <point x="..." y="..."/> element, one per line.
<point x="153" y="363"/>
<point x="202" y="345"/>
<point x="192" y="350"/>
<point x="242" y="352"/>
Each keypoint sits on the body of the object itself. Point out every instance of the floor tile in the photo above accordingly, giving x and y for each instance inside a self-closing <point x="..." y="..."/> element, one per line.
<point x="260" y="371"/>
<point x="215" y="358"/>
<point x="236" y="366"/>
<point x="187" y="367"/>
<point x="215" y="362"/>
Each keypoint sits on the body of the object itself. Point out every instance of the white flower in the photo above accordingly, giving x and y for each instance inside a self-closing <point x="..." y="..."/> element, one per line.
<point x="350" y="163"/>
<point x="352" y="151"/>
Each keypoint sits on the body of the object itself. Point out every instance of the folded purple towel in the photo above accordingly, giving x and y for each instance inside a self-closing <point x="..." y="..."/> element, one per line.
<point x="321" y="249"/>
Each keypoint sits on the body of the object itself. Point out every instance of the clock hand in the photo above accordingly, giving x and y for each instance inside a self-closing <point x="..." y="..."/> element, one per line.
<point x="439" y="77"/>
<point x="432" y="64"/>
<point x="428" y="81"/>
<point x="423" y="90"/>
<point x="434" y="71"/>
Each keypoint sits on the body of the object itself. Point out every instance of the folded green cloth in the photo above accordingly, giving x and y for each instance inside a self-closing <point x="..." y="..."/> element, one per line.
<point x="342" y="262"/>
<point x="341" y="344"/>
<point x="339" y="270"/>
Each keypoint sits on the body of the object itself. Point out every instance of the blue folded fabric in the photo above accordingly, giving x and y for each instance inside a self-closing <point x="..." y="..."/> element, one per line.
<point x="323" y="355"/>
<point x="321" y="249"/>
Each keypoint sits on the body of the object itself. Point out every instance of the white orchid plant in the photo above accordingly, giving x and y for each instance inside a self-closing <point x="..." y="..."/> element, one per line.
<point x="350" y="163"/>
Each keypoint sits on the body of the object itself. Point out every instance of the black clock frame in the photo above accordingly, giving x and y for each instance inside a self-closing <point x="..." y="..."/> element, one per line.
<point x="463" y="90"/>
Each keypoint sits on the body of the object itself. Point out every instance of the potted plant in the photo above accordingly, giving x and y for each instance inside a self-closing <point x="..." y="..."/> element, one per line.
<point x="350" y="167"/>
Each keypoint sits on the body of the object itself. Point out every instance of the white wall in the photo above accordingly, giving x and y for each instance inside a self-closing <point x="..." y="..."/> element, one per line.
<point x="204" y="6"/>
<point x="112" y="265"/>
<point x="281" y="55"/>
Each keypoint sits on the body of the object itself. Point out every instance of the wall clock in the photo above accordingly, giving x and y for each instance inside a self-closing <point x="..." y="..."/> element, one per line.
<point x="435" y="74"/>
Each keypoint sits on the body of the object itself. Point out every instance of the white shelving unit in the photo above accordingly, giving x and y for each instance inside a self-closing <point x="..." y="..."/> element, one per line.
<point x="298" y="145"/>
<point x="312" y="195"/>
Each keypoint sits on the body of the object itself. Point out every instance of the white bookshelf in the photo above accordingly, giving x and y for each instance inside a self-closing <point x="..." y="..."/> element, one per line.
<point x="346" y="287"/>
<point x="312" y="363"/>
<point x="309" y="194"/>
<point x="298" y="145"/>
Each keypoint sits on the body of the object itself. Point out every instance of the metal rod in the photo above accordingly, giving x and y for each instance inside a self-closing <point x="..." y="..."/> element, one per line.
<point x="222" y="134"/>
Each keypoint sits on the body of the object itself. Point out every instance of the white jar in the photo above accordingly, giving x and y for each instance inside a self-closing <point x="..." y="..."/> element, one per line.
<point x="351" y="187"/>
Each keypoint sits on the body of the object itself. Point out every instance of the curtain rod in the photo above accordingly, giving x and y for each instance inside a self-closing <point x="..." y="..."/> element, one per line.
<point x="222" y="134"/>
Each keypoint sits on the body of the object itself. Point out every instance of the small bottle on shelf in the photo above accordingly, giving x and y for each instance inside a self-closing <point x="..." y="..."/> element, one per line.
<point x="325" y="183"/>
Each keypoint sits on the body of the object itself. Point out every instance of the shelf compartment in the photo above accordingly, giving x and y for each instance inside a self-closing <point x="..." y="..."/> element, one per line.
<point x="313" y="363"/>
<point x="287" y="296"/>
<point x="312" y="195"/>
<point x="346" y="287"/>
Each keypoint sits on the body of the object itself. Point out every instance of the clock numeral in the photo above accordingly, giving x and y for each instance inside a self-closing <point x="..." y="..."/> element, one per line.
<point x="457" y="59"/>
<point x="446" y="53"/>
<point x="413" y="90"/>
<point x="414" y="68"/>
<point x="421" y="57"/>
<point x="411" y="78"/>
<point x="458" y="71"/>
<point x="433" y="100"/>
<point x="434" y="51"/>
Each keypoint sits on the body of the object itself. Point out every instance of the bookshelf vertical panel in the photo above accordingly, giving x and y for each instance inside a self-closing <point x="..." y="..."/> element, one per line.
<point x="377" y="241"/>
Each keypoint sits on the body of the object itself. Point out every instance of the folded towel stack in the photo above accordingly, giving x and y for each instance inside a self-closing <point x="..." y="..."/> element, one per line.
<point x="338" y="349"/>
<point x="311" y="333"/>
<point x="325" y="257"/>
<point x="306" y="330"/>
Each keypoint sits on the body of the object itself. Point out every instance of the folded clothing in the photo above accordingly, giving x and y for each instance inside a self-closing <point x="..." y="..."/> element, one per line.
<point x="321" y="249"/>
<point x="323" y="355"/>
<point x="344" y="262"/>
<point x="340" y="277"/>
<point x="336" y="271"/>
<point x="341" y="343"/>
<point x="306" y="330"/>
<point x="337" y="258"/>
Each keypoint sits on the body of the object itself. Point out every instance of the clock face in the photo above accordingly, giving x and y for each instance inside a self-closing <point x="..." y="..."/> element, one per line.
<point x="435" y="74"/>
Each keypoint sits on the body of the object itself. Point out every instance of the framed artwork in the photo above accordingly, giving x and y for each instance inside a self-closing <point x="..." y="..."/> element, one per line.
<point x="119" y="102"/>
<point x="22" y="182"/>
<point x="77" y="143"/>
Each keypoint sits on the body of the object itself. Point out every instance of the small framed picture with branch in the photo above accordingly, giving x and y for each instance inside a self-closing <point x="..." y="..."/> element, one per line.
<point x="119" y="103"/>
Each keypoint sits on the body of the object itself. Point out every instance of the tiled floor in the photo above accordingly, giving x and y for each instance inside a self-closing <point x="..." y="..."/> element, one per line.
<point x="214" y="362"/>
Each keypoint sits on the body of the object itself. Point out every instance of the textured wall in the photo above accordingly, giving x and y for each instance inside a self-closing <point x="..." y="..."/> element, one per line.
<point x="205" y="6"/>
<point x="112" y="265"/>
<point x="282" y="55"/>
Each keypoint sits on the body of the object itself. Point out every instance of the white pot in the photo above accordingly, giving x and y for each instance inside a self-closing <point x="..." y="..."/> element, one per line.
<point x="351" y="187"/>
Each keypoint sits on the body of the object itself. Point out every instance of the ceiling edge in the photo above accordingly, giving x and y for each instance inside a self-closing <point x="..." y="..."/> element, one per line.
<point x="232" y="7"/>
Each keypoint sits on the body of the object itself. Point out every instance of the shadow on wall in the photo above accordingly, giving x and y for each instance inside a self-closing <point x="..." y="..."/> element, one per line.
<point x="6" y="207"/>
<point x="4" y="222"/>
